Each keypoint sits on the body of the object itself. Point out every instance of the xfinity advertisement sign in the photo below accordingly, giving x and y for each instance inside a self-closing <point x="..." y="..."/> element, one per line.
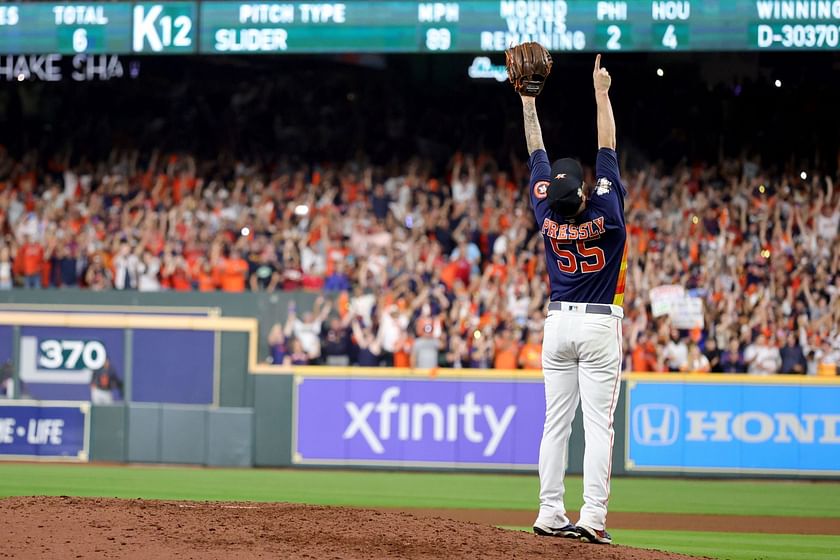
<point x="418" y="422"/>
<point x="727" y="427"/>
<point x="458" y="420"/>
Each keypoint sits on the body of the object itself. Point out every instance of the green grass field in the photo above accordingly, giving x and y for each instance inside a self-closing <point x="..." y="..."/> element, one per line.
<point x="736" y="546"/>
<point x="731" y="546"/>
<point x="477" y="491"/>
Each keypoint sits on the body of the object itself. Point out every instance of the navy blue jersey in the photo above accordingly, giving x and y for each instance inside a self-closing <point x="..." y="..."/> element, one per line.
<point x="586" y="255"/>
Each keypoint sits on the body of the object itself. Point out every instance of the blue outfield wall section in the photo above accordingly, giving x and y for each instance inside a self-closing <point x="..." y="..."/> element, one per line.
<point x="183" y="367"/>
<point x="769" y="425"/>
<point x="176" y="366"/>
<point x="54" y="431"/>
<point x="5" y="344"/>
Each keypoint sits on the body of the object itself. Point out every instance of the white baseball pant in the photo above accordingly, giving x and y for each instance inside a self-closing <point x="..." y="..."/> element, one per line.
<point x="581" y="360"/>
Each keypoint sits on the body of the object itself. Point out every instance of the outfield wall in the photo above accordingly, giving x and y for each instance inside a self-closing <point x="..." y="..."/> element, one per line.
<point x="481" y="420"/>
<point x="675" y="425"/>
<point x="193" y="371"/>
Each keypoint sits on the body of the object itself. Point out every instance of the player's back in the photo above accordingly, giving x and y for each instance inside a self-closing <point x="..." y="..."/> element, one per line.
<point x="585" y="255"/>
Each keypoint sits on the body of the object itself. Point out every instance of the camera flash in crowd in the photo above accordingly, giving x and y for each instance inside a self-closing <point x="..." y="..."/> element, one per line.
<point x="803" y="175"/>
<point x="301" y="210"/>
<point x="660" y="72"/>
<point x="778" y="83"/>
<point x="245" y="231"/>
<point x="21" y="77"/>
<point x="761" y="189"/>
<point x="765" y="253"/>
<point x="695" y="220"/>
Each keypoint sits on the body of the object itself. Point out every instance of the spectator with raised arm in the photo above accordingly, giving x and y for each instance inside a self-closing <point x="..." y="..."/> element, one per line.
<point x="307" y="330"/>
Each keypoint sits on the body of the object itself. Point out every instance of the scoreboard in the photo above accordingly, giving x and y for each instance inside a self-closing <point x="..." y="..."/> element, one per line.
<point x="474" y="26"/>
<point x="492" y="26"/>
<point x="97" y="28"/>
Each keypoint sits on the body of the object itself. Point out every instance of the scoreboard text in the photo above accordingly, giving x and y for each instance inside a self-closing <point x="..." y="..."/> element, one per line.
<point x="211" y="27"/>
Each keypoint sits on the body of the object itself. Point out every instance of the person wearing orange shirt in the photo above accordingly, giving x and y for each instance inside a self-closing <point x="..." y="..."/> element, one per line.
<point x="643" y="355"/>
<point x="497" y="268"/>
<point x="449" y="275"/>
<point x="530" y="355"/>
<point x="205" y="279"/>
<point x="403" y="352"/>
<point x="507" y="351"/>
<point x="179" y="278"/>
<point x="30" y="259"/>
<point x="234" y="272"/>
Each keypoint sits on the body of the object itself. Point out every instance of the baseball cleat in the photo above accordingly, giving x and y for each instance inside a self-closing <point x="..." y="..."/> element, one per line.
<point x="567" y="532"/>
<point x="597" y="536"/>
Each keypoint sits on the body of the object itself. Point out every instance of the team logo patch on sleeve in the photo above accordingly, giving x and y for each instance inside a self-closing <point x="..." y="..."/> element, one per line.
<point x="602" y="187"/>
<point x="541" y="189"/>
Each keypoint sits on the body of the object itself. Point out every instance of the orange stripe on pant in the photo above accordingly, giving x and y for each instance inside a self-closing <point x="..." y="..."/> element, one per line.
<point x="622" y="277"/>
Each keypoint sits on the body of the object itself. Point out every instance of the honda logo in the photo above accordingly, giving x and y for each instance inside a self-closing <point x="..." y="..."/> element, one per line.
<point x="656" y="424"/>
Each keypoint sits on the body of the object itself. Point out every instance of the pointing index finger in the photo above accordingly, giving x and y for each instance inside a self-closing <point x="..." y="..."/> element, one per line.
<point x="597" y="62"/>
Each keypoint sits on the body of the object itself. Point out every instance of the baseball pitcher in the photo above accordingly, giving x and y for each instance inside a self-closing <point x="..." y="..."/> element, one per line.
<point x="586" y="252"/>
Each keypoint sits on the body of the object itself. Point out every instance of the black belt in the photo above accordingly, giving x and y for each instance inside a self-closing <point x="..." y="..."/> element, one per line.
<point x="597" y="308"/>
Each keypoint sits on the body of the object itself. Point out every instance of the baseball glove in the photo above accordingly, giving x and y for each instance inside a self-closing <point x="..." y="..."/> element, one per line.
<point x="528" y="65"/>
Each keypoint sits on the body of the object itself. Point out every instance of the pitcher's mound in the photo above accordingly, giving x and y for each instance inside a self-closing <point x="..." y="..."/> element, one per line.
<point x="53" y="527"/>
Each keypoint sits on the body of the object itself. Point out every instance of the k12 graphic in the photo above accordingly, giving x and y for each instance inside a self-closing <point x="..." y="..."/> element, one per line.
<point x="726" y="427"/>
<point x="418" y="422"/>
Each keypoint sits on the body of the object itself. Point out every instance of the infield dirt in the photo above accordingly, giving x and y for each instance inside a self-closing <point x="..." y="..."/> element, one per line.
<point x="64" y="527"/>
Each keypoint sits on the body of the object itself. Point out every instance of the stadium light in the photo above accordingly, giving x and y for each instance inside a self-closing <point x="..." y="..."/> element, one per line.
<point x="660" y="72"/>
<point x="778" y="83"/>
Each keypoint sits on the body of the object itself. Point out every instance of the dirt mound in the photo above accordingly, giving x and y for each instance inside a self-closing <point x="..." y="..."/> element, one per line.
<point x="62" y="527"/>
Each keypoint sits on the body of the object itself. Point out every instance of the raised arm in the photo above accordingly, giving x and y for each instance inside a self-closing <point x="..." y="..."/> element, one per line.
<point x="324" y="311"/>
<point x="533" y="134"/>
<point x="361" y="339"/>
<point x="830" y="184"/>
<point x="606" y="122"/>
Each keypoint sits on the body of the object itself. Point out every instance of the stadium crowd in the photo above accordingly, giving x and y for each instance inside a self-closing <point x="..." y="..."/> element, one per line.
<point x="425" y="271"/>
